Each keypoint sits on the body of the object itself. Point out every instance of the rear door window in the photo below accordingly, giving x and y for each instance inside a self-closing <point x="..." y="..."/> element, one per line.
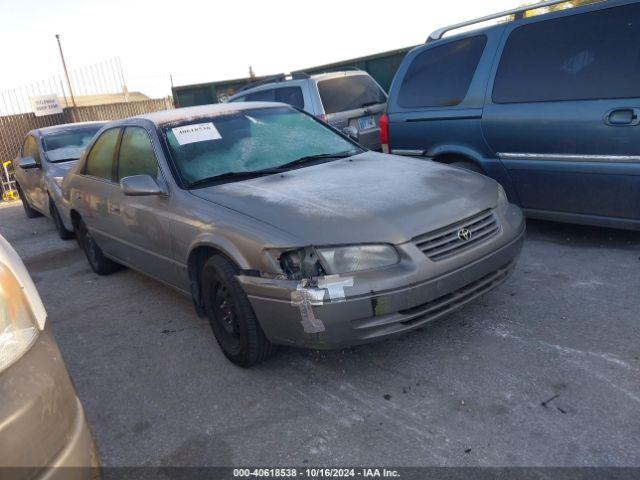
<point x="350" y="92"/>
<point x="136" y="155"/>
<point x="262" y="96"/>
<point x="291" y="95"/>
<point x="590" y="56"/>
<point x="440" y="76"/>
<point x="100" y="158"/>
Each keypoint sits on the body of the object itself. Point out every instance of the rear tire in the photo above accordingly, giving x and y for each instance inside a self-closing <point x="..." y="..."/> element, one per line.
<point x="63" y="233"/>
<point x="97" y="261"/>
<point x="231" y="316"/>
<point x="29" y="211"/>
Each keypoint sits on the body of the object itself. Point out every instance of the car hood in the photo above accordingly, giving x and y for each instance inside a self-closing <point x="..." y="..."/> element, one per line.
<point x="370" y="197"/>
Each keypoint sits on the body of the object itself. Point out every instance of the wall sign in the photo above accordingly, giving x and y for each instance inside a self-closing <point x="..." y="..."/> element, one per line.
<point x="45" y="105"/>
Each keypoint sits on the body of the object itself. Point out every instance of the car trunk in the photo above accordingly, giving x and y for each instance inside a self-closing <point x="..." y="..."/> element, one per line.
<point x="355" y="101"/>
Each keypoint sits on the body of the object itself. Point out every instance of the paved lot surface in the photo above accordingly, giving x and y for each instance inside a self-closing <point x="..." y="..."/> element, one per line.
<point x="543" y="371"/>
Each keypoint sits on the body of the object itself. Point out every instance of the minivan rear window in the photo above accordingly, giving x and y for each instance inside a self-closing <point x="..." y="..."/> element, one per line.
<point x="350" y="92"/>
<point x="589" y="56"/>
<point x="440" y="76"/>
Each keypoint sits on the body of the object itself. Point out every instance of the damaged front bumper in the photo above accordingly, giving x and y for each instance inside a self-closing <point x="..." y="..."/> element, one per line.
<point x="338" y="311"/>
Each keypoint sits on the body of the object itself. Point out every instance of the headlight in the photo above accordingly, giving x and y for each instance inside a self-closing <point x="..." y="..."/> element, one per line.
<point x="314" y="262"/>
<point x="301" y="263"/>
<point x="18" y="328"/>
<point x="58" y="181"/>
<point x="357" y="258"/>
<point x="502" y="196"/>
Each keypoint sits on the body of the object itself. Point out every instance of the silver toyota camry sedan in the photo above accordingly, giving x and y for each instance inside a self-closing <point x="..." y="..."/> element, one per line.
<point x="283" y="230"/>
<point x="44" y="158"/>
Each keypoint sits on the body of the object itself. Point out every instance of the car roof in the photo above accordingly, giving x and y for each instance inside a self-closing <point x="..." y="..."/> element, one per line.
<point x="191" y="113"/>
<point x="64" y="126"/>
<point x="297" y="81"/>
<point x="338" y="73"/>
<point x="475" y="29"/>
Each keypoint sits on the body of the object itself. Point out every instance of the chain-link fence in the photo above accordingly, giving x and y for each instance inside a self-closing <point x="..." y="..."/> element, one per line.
<point x="90" y="85"/>
<point x="13" y="128"/>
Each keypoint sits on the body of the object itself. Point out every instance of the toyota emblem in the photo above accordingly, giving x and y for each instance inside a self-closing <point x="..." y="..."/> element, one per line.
<point x="464" y="234"/>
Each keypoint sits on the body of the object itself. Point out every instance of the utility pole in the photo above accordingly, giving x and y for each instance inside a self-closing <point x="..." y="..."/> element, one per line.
<point x="66" y="74"/>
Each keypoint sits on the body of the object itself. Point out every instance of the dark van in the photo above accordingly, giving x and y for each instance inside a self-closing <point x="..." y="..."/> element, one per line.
<point x="547" y="105"/>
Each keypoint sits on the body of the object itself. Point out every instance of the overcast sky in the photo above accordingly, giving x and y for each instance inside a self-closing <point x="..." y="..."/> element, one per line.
<point x="199" y="41"/>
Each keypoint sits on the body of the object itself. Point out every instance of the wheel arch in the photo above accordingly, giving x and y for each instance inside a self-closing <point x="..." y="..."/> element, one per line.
<point x="450" y="154"/>
<point x="198" y="256"/>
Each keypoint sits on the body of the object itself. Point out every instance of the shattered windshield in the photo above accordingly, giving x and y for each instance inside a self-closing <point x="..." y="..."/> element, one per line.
<point x="68" y="144"/>
<point x="249" y="141"/>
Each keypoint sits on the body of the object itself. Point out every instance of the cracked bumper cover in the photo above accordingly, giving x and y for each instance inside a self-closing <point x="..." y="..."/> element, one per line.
<point x="389" y="301"/>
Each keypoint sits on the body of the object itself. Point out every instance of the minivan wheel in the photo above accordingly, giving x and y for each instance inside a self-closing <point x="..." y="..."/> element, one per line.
<point x="98" y="262"/>
<point x="232" y="319"/>
<point x="29" y="211"/>
<point x="63" y="233"/>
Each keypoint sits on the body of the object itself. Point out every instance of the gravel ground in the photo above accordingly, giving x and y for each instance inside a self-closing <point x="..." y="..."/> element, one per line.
<point x="543" y="371"/>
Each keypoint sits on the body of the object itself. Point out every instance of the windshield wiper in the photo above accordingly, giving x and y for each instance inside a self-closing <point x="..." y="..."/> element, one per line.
<point x="234" y="176"/>
<point x="269" y="171"/>
<point x="319" y="156"/>
<point x="62" y="160"/>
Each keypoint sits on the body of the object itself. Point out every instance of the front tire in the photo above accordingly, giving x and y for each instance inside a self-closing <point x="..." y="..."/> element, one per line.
<point x="232" y="319"/>
<point x="63" y="233"/>
<point x="98" y="262"/>
<point x="29" y="211"/>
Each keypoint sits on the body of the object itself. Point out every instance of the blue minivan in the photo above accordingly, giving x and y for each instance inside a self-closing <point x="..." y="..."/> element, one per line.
<point x="548" y="105"/>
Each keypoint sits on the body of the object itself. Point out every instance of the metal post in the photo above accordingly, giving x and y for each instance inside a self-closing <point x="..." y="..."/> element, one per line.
<point x="66" y="104"/>
<point x="66" y="74"/>
<point x="124" y="85"/>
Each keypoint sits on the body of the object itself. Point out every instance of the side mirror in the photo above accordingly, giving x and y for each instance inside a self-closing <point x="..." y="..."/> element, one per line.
<point x="28" y="163"/>
<point x="140" y="186"/>
<point x="351" y="132"/>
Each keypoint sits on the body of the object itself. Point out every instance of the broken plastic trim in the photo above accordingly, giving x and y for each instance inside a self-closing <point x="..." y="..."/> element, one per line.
<point x="311" y="292"/>
<point x="301" y="263"/>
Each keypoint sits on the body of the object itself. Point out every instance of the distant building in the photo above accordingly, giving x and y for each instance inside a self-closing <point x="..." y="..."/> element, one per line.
<point x="381" y="66"/>
<point x="103" y="98"/>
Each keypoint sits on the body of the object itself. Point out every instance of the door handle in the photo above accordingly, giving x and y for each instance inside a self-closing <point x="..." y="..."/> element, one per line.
<point x="114" y="208"/>
<point x="622" y="117"/>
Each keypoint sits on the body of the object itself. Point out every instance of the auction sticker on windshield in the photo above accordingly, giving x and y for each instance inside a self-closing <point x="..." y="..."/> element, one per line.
<point x="196" y="132"/>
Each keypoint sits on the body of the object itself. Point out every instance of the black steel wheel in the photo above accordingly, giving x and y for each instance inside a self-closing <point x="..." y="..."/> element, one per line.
<point x="231" y="316"/>
<point x="63" y="233"/>
<point x="98" y="262"/>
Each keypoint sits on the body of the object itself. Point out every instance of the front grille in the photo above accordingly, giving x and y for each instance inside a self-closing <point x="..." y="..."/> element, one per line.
<point x="446" y="242"/>
<point x="432" y="309"/>
<point x="453" y="300"/>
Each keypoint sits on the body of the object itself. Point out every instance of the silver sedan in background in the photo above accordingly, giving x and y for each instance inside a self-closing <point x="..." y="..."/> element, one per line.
<point x="45" y="157"/>
<point x="283" y="230"/>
